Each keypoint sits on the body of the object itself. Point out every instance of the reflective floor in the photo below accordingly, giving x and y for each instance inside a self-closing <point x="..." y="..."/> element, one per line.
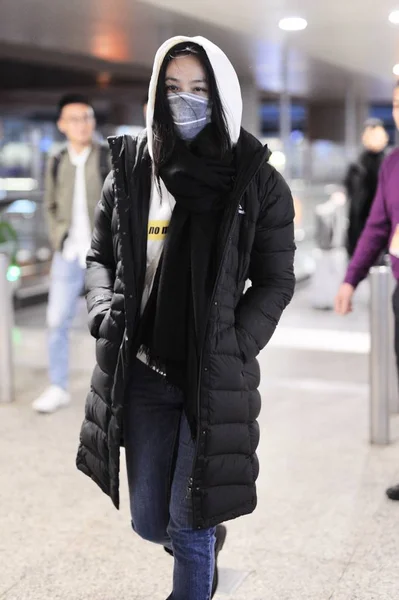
<point x="323" y="529"/>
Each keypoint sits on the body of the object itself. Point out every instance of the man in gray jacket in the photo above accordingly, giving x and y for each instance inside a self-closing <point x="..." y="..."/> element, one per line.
<point x="74" y="180"/>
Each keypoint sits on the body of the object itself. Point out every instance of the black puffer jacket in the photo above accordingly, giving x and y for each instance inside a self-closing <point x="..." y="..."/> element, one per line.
<point x="258" y="241"/>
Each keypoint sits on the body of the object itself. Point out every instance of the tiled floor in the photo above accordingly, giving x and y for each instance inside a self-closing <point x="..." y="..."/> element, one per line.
<point x="323" y="529"/>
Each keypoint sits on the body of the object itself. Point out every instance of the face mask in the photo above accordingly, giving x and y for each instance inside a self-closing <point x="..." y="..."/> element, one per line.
<point x="190" y="114"/>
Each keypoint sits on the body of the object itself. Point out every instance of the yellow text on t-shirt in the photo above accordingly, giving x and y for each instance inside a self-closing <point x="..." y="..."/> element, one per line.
<point x="157" y="230"/>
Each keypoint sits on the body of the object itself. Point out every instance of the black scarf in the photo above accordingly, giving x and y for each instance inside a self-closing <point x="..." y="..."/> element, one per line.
<point x="174" y="321"/>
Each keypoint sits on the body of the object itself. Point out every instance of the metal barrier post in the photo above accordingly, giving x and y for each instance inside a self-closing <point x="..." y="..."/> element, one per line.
<point x="6" y="322"/>
<point x="380" y="355"/>
<point x="393" y="370"/>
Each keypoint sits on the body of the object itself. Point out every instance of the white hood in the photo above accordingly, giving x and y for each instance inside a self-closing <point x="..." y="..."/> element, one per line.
<point x="226" y="78"/>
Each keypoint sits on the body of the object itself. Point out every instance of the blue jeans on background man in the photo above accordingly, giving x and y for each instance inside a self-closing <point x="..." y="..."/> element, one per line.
<point x="66" y="284"/>
<point x="159" y="456"/>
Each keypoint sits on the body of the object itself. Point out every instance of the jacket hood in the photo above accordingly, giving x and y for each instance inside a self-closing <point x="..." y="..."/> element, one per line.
<point x="226" y="79"/>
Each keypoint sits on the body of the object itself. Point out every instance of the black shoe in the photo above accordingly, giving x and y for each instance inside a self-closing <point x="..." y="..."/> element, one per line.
<point x="221" y="533"/>
<point x="393" y="493"/>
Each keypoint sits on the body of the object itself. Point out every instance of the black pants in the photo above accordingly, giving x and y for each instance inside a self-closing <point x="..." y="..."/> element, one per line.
<point x="395" y="303"/>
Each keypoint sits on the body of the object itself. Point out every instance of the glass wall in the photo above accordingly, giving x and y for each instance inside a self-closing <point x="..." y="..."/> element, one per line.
<point x="24" y="146"/>
<point x="270" y="118"/>
<point x="384" y="112"/>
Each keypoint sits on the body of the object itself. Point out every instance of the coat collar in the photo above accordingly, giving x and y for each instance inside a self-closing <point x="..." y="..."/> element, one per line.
<point x="250" y="156"/>
<point x="128" y="152"/>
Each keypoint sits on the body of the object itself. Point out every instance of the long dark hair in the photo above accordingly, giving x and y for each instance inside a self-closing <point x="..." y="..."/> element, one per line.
<point x="163" y="128"/>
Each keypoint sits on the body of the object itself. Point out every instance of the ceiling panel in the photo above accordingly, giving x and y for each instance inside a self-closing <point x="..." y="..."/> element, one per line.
<point x="347" y="42"/>
<point x="353" y="36"/>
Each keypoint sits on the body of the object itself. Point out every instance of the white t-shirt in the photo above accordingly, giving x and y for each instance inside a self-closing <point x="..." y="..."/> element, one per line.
<point x="77" y="244"/>
<point x="160" y="213"/>
<point x="161" y="208"/>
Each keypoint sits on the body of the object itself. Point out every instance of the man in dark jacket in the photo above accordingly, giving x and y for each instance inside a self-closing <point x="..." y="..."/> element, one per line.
<point x="362" y="179"/>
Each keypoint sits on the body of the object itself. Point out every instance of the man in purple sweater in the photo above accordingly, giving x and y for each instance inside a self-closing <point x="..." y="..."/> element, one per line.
<point x="381" y="231"/>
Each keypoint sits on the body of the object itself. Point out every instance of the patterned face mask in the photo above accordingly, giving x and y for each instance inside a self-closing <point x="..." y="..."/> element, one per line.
<point x="190" y="114"/>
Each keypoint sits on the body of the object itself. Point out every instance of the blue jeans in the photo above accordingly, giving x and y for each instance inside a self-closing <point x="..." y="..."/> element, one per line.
<point x="66" y="284"/>
<point x="159" y="455"/>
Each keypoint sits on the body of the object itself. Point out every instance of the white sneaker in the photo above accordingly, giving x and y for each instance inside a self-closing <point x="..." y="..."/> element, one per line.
<point x="51" y="400"/>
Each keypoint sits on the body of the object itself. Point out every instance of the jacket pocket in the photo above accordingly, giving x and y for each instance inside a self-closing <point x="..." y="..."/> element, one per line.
<point x="99" y="307"/>
<point x="246" y="344"/>
<point x="102" y="330"/>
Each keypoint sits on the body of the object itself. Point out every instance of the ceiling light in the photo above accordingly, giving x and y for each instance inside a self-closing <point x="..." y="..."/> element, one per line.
<point x="396" y="70"/>
<point x="394" y="17"/>
<point x="293" y="24"/>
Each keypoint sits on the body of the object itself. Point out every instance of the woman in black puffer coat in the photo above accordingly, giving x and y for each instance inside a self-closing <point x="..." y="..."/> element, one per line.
<point x="191" y="211"/>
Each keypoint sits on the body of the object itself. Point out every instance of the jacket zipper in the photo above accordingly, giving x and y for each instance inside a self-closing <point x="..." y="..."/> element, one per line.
<point x="192" y="478"/>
